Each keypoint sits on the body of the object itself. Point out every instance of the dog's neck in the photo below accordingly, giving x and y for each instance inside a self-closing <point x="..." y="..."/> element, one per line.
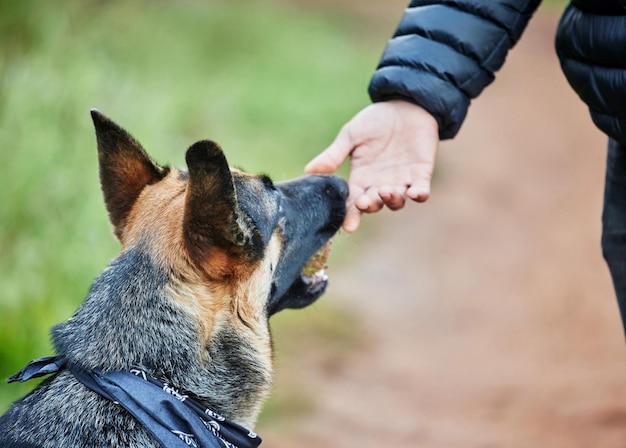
<point x="128" y="319"/>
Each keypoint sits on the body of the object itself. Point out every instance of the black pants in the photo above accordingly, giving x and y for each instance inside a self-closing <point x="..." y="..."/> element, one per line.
<point x="614" y="222"/>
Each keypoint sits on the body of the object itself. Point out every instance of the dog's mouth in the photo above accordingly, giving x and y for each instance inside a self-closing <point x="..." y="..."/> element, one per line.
<point x="308" y="286"/>
<point x="302" y="293"/>
<point x="315" y="283"/>
<point x="314" y="272"/>
<point x="300" y="277"/>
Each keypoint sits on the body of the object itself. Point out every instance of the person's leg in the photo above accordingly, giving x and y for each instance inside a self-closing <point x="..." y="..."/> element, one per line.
<point x="614" y="221"/>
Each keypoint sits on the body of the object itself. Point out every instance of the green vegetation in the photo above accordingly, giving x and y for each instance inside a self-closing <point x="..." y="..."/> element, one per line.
<point x="318" y="338"/>
<point x="271" y="84"/>
<point x="555" y="4"/>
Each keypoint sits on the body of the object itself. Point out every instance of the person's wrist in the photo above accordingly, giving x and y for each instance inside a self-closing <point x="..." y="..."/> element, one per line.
<point x="414" y="113"/>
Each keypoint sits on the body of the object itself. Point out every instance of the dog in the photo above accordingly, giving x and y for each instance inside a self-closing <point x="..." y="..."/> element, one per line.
<point x="179" y="319"/>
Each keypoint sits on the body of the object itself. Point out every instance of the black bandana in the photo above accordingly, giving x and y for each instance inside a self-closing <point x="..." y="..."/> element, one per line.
<point x="172" y="417"/>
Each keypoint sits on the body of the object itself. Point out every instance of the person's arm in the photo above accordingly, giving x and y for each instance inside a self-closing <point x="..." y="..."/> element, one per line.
<point x="442" y="55"/>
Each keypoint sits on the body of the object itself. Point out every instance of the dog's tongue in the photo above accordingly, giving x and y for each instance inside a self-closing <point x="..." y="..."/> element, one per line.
<point x="316" y="265"/>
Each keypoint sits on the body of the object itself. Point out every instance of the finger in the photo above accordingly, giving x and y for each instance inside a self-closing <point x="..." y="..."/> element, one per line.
<point x="323" y="163"/>
<point x="369" y="202"/>
<point x="332" y="157"/>
<point x="419" y="191"/>
<point x="393" y="197"/>
<point x="352" y="219"/>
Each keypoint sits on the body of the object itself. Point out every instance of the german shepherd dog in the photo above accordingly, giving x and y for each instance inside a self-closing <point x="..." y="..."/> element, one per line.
<point x="208" y="255"/>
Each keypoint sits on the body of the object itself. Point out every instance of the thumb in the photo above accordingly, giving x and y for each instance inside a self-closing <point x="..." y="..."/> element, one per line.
<point x="332" y="157"/>
<point x="352" y="219"/>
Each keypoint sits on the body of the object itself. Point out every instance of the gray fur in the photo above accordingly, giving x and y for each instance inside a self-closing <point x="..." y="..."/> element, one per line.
<point x="129" y="320"/>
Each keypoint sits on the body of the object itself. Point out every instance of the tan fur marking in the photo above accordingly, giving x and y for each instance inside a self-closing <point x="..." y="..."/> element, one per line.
<point x="225" y="290"/>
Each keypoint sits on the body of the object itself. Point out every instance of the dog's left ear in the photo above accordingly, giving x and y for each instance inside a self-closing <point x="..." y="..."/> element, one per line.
<point x="125" y="169"/>
<point x="213" y="219"/>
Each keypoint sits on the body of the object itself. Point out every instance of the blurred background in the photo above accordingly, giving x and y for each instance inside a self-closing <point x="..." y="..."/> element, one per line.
<point x="483" y="318"/>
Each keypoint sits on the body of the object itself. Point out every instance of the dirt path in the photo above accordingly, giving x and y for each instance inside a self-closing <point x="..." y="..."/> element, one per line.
<point x="489" y="314"/>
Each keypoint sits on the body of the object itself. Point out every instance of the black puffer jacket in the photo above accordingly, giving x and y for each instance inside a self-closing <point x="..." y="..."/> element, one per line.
<point x="445" y="52"/>
<point x="591" y="44"/>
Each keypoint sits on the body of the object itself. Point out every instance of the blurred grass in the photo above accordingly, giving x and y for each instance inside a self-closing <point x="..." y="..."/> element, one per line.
<point x="318" y="340"/>
<point x="557" y="4"/>
<point x="270" y="83"/>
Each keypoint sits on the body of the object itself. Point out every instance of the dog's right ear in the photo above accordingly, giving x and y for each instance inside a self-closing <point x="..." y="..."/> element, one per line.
<point x="214" y="224"/>
<point x="125" y="169"/>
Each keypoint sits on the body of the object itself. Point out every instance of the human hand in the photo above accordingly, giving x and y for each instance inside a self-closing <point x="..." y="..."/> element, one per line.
<point x="392" y="147"/>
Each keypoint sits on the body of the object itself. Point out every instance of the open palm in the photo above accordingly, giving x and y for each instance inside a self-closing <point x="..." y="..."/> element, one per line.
<point x="392" y="147"/>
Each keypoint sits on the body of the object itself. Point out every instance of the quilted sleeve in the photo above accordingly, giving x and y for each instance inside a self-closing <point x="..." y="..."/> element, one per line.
<point x="445" y="52"/>
<point x="590" y="46"/>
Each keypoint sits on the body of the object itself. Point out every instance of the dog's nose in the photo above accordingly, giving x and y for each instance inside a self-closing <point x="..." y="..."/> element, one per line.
<point x="323" y="186"/>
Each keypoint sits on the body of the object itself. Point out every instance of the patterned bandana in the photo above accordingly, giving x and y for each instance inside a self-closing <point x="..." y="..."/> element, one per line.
<point x="172" y="417"/>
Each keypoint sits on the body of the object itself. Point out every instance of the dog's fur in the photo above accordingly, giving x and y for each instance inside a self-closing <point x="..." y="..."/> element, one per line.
<point x="208" y="255"/>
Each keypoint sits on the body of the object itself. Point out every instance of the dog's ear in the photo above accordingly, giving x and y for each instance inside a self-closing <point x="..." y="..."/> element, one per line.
<point x="125" y="169"/>
<point x="213" y="218"/>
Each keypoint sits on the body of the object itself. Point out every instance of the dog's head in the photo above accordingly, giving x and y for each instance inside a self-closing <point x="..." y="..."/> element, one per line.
<point x="224" y="250"/>
<point x="220" y="223"/>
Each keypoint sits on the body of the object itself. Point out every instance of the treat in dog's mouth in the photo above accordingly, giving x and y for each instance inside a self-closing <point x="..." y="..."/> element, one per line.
<point x="313" y="273"/>
<point x="310" y="283"/>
